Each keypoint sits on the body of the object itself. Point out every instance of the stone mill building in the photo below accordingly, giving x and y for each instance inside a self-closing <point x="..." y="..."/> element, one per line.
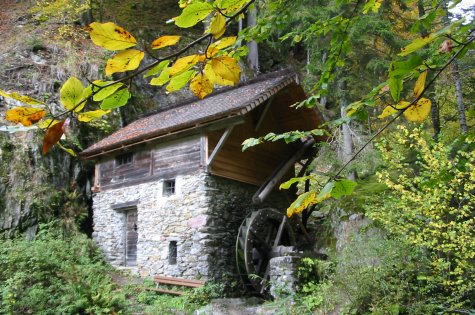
<point x="172" y="188"/>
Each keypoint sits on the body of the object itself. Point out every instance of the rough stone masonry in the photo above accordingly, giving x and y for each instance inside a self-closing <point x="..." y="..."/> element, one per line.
<point x="202" y="217"/>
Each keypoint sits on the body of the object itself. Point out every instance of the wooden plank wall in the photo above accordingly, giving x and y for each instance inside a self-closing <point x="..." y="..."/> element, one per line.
<point x="179" y="157"/>
<point x="160" y="161"/>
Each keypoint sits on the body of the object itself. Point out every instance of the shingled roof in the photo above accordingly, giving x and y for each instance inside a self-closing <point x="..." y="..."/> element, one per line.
<point x="227" y="103"/>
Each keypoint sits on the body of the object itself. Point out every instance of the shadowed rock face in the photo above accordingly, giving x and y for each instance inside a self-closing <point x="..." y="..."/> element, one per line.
<point x="35" y="189"/>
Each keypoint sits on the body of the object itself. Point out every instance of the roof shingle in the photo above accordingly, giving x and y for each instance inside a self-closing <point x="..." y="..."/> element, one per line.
<point x="236" y="101"/>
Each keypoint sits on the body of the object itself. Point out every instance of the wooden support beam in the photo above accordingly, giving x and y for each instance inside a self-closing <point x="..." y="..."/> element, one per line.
<point x="280" y="171"/>
<point x="220" y="144"/>
<point x="264" y="112"/>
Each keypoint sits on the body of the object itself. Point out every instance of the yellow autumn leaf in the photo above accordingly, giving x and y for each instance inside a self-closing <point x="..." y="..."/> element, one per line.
<point x="388" y="111"/>
<point x="209" y="72"/>
<point x="201" y="86"/>
<point x="215" y="47"/>
<point x="165" y="41"/>
<point x="92" y="115"/>
<point x="111" y="36"/>
<point x="71" y="94"/>
<point x="46" y="123"/>
<point x="26" y="116"/>
<point x="124" y="61"/>
<point x="226" y="68"/>
<point x="419" y="111"/>
<point x="22" y="98"/>
<point x="218" y="25"/>
<point x="391" y="110"/>
<point x="183" y="64"/>
<point x="420" y="84"/>
<point x="302" y="202"/>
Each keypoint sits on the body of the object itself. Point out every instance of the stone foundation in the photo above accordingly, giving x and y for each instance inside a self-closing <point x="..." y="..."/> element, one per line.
<point x="283" y="278"/>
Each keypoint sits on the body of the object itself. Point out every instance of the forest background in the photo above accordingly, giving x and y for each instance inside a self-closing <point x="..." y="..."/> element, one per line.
<point x="394" y="80"/>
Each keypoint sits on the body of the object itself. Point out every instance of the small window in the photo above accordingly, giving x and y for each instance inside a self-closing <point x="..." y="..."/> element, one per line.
<point x="172" y="253"/>
<point x="168" y="187"/>
<point x="123" y="159"/>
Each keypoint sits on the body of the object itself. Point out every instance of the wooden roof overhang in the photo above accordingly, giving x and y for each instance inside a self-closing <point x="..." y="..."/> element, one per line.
<point x="219" y="111"/>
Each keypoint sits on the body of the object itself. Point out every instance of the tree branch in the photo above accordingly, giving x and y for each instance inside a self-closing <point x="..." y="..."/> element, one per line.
<point x="450" y="61"/>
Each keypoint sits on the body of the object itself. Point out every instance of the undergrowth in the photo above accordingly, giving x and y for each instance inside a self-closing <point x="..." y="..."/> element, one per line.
<point x="56" y="274"/>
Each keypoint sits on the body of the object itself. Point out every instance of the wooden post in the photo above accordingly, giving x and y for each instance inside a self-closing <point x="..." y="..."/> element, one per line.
<point x="280" y="171"/>
<point x="220" y="144"/>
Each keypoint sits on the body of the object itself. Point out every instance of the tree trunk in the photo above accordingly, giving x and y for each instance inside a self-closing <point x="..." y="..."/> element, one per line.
<point x="459" y="96"/>
<point x="347" y="148"/>
<point x="253" y="56"/>
<point x="435" y="116"/>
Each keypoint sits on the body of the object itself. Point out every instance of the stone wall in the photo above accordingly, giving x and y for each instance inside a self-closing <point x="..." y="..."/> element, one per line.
<point x="202" y="217"/>
<point x="229" y="203"/>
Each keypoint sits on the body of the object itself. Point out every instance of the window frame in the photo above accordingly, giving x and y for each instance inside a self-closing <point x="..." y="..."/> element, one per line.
<point x="169" y="187"/>
<point x="124" y="159"/>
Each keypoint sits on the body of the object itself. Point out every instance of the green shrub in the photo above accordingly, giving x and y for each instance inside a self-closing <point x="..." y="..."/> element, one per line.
<point x="55" y="274"/>
<point x="430" y="205"/>
<point x="371" y="275"/>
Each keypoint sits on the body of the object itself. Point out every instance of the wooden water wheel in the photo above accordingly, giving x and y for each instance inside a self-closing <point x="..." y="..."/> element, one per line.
<point x="259" y="235"/>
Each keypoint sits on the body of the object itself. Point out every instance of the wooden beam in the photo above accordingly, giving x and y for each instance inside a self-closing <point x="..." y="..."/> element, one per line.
<point x="280" y="171"/>
<point x="220" y="144"/>
<point x="264" y="112"/>
<point x="96" y="187"/>
<point x="203" y="150"/>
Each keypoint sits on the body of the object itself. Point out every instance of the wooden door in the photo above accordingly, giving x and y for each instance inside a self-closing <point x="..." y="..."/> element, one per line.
<point x="131" y="237"/>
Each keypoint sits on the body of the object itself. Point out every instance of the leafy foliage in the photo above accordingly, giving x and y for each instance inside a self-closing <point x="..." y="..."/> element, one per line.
<point x="55" y="274"/>
<point x="430" y="205"/>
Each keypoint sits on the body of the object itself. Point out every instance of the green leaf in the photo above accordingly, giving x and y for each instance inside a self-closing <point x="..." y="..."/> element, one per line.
<point x="180" y="80"/>
<point x="231" y="6"/>
<point x="118" y="99"/>
<point x="395" y="87"/>
<point x="163" y="78"/>
<point x="290" y="182"/>
<point x="156" y="69"/>
<point x="71" y="94"/>
<point x="326" y="191"/>
<point x="319" y="132"/>
<point x="250" y="143"/>
<point x="402" y="68"/>
<point x="68" y="150"/>
<point x="343" y="187"/>
<point x="104" y="92"/>
<point x="192" y="14"/>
